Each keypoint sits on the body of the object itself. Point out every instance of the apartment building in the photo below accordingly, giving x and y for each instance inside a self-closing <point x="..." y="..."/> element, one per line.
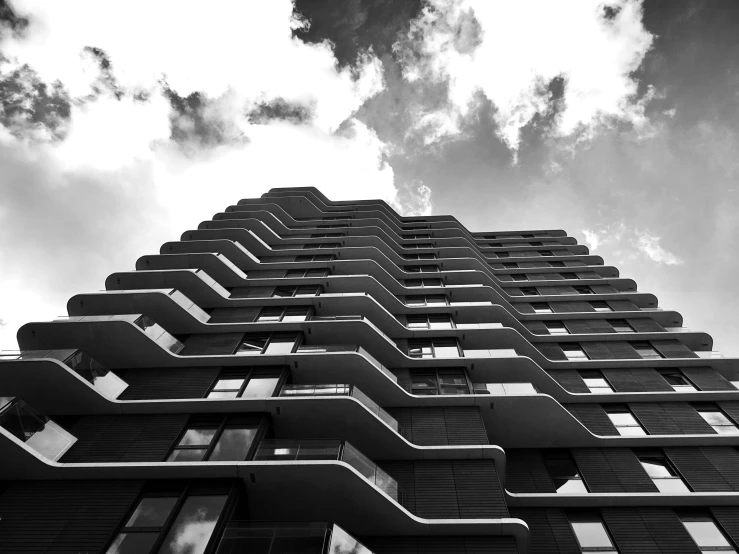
<point x="300" y="375"/>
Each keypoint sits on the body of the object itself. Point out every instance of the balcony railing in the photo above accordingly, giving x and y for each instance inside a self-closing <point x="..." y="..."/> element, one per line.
<point x="287" y="538"/>
<point x="294" y="450"/>
<point x="29" y="425"/>
<point x="343" y="390"/>
<point x="99" y="376"/>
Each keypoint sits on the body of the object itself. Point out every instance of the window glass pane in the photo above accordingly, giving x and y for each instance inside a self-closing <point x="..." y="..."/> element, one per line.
<point x="281" y="345"/>
<point x="260" y="387"/>
<point x="270" y="314"/>
<point x="233" y="444"/>
<point x="420" y="351"/>
<point x="705" y="533"/>
<point x="284" y="292"/>
<point x="187" y="455"/>
<point x="197" y="437"/>
<point x="591" y="534"/>
<point x="446" y="351"/>
<point x="251" y="346"/>
<point x="439" y="323"/>
<point x="726" y="429"/>
<point x="454" y="389"/>
<point x="674" y="485"/>
<point x="132" y="543"/>
<point x="228" y="384"/>
<point x="151" y="512"/>
<point x="296" y="314"/>
<point x="715" y="418"/>
<point x="423" y="382"/>
<point x="622" y="419"/>
<point x="223" y="394"/>
<point x="193" y="526"/>
<point x="656" y="468"/>
<point x="630" y="431"/>
<point x="307" y="291"/>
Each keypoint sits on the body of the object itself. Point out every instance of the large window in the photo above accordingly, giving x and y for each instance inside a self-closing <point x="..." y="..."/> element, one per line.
<point x="591" y="533"/>
<point x="285" y="314"/>
<point x="427" y="300"/>
<point x="246" y="383"/>
<point x="645" y="350"/>
<point x="170" y="523"/>
<point x="600" y="306"/>
<point x="573" y="351"/>
<point x="439" y="381"/>
<point x="716" y="419"/>
<point x="541" y="308"/>
<point x="706" y="533"/>
<point x="624" y="421"/>
<point x="303" y="290"/>
<point x="596" y="383"/>
<point x="275" y="343"/>
<point x="310" y="272"/>
<point x="424" y="283"/>
<point x="677" y="380"/>
<point x="556" y="328"/>
<point x="563" y="472"/>
<point x="438" y="347"/>
<point x="529" y="291"/>
<point x="216" y="439"/>
<point x="661" y="471"/>
<point x="429" y="321"/>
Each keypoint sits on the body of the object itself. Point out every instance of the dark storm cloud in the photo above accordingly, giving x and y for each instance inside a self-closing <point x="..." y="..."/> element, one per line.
<point x="196" y="122"/>
<point x="280" y="110"/>
<point x="354" y="26"/>
<point x="30" y="108"/>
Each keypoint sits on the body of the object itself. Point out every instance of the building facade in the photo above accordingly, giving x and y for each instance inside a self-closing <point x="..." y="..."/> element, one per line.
<point x="300" y="375"/>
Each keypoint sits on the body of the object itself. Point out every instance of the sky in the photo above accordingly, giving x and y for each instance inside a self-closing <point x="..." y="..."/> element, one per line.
<point x="123" y="124"/>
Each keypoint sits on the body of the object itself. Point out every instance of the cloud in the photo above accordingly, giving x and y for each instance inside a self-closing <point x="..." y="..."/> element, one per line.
<point x="650" y="246"/>
<point x="413" y="200"/>
<point x="511" y="51"/>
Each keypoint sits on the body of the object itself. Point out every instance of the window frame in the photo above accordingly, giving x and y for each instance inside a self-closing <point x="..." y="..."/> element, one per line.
<point x="675" y="372"/>
<point x="644" y="345"/>
<point x="429" y="343"/>
<point x="541" y="309"/>
<point x="597" y="374"/>
<point x="247" y="374"/>
<point x="428" y="320"/>
<point x="299" y="339"/>
<point x="425" y="299"/>
<point x="714" y="408"/>
<point x="624" y="409"/>
<point x="529" y="291"/>
<point x="220" y="424"/>
<point x="296" y="291"/>
<point x="573" y="347"/>
<point x="425" y="283"/>
<point x="559" y="325"/>
<point x="623" y="326"/>
<point x="600" y="306"/>
<point x="437" y="377"/>
<point x="657" y="456"/>
<point x="583" y="289"/>
<point x="707" y="517"/>
<point x="551" y="455"/>
<point x="592" y="516"/>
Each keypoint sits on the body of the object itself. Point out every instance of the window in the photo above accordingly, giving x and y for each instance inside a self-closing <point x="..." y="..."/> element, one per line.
<point x="322" y="245"/>
<point x="428" y="300"/>
<point x="429" y="321"/>
<point x="284" y="314"/>
<point x="582" y="289"/>
<point x="645" y="350"/>
<point x="556" y="328"/>
<point x="423" y="283"/>
<point x="316" y="258"/>
<point x="544" y="253"/>
<point x="304" y="290"/>
<point x="661" y="471"/>
<point x="716" y="419"/>
<point x="510" y="265"/>
<point x="595" y="381"/>
<point x="706" y="533"/>
<point x="218" y="440"/>
<point x="421" y="268"/>
<point x="430" y="256"/>
<point x="440" y="381"/>
<point x="246" y="383"/>
<point x="624" y="421"/>
<point x="418" y="245"/>
<point x="556" y="264"/>
<point x="519" y="277"/>
<point x="569" y="276"/>
<point x="529" y="291"/>
<point x="438" y="347"/>
<point x="190" y="530"/>
<point x="677" y="380"/>
<point x="563" y="472"/>
<point x="541" y="308"/>
<point x="503" y="254"/>
<point x="621" y="326"/>
<point x="275" y="343"/>
<point x="600" y="306"/>
<point x="591" y="533"/>
<point x="574" y="351"/>
<point x="310" y="272"/>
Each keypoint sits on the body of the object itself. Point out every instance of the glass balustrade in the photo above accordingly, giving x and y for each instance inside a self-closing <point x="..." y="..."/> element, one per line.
<point x="29" y="425"/>
<point x="294" y="450"/>
<point x="505" y="388"/>
<point x="343" y="390"/>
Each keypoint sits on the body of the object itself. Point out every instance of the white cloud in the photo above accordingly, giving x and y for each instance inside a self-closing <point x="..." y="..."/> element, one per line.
<point x="591" y="239"/>
<point x="117" y="187"/>
<point x="649" y="245"/>
<point x="522" y="46"/>
<point x="413" y="200"/>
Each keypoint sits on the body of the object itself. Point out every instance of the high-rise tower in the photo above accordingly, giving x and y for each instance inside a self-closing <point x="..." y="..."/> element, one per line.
<point x="305" y="376"/>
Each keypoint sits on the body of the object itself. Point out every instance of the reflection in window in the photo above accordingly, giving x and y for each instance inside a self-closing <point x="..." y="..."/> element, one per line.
<point x="592" y="534"/>
<point x="661" y="472"/>
<point x="220" y="441"/>
<point x="40" y="433"/>
<point x="677" y="380"/>
<point x="440" y="381"/>
<point x="596" y="383"/>
<point x="541" y="308"/>
<point x="563" y="472"/>
<point x="706" y="533"/>
<point x="624" y="421"/>
<point x="143" y="528"/>
<point x="193" y="526"/>
<point x="717" y="419"/>
<point x="99" y="376"/>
